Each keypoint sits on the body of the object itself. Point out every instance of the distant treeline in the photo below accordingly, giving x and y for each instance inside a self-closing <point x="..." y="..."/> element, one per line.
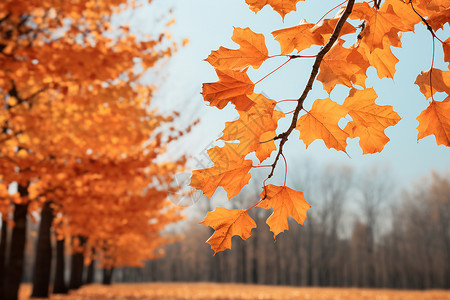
<point x="401" y="245"/>
<point x="359" y="233"/>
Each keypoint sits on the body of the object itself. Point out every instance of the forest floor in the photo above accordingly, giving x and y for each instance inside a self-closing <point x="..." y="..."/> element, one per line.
<point x="212" y="291"/>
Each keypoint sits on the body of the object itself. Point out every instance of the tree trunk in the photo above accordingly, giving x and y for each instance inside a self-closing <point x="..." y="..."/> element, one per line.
<point x="16" y="256"/>
<point x="76" y="268"/>
<point x="90" y="272"/>
<point x="43" y="261"/>
<point x="59" y="285"/>
<point x="3" y="241"/>
<point x="107" y="276"/>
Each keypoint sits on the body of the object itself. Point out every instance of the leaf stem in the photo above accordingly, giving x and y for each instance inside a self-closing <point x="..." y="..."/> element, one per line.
<point x="278" y="55"/>
<point x="288" y="100"/>
<point x="329" y="12"/>
<point x="273" y="71"/>
<point x="433" y="35"/>
<point x="285" y="170"/>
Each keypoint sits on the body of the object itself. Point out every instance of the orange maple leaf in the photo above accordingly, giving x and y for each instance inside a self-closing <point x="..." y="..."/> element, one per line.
<point x="230" y="171"/>
<point x="321" y="122"/>
<point x="305" y="34"/>
<point x="253" y="51"/>
<point x="446" y="48"/>
<point x="282" y="7"/>
<point x="233" y="86"/>
<point x="226" y="224"/>
<point x="382" y="59"/>
<point x="430" y="8"/>
<point x="298" y="37"/>
<point x="440" y="82"/>
<point x="255" y="126"/>
<point x="435" y="120"/>
<point x="378" y="24"/>
<point x="342" y="66"/>
<point x="285" y="203"/>
<point x="407" y="17"/>
<point x="369" y="119"/>
<point x="437" y="21"/>
<point x="326" y="27"/>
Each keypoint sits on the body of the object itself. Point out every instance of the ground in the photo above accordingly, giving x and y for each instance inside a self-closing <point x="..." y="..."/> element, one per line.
<point x="211" y="291"/>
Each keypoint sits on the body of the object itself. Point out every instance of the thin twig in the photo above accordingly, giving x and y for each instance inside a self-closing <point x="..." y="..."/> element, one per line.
<point x="433" y="37"/>
<point x="315" y="70"/>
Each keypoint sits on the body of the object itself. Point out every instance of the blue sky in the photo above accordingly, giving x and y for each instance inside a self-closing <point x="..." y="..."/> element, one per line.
<point x="208" y="24"/>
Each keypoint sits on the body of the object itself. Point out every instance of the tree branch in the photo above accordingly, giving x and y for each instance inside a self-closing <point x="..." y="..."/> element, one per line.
<point x="315" y="70"/>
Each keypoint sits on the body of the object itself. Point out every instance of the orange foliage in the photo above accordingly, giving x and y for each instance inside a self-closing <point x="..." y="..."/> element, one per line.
<point x="180" y="290"/>
<point x="79" y="125"/>
<point x="373" y="27"/>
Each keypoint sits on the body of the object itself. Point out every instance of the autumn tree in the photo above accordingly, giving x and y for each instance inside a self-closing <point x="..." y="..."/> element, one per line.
<point x="359" y="36"/>
<point x="80" y="134"/>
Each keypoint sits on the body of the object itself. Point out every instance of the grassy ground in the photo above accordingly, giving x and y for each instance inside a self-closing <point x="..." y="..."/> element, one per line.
<point x="210" y="291"/>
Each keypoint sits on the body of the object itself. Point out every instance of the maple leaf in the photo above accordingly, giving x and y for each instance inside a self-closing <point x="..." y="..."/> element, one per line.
<point x="440" y="82"/>
<point x="305" y="34"/>
<point x="407" y="17"/>
<point x="382" y="59"/>
<point x="253" y="51"/>
<point x="437" y="21"/>
<point x="369" y="120"/>
<point x="430" y="8"/>
<point x="326" y="27"/>
<point x="285" y="203"/>
<point x="282" y="7"/>
<point x="226" y="224"/>
<point x="230" y="171"/>
<point x="298" y="37"/>
<point x="446" y="48"/>
<point x="378" y="24"/>
<point x="342" y="66"/>
<point x="233" y="86"/>
<point x="435" y="120"/>
<point x="321" y="122"/>
<point x="255" y="126"/>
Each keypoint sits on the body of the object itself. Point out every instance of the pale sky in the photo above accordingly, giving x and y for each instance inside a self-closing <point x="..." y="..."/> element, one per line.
<point x="208" y="24"/>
